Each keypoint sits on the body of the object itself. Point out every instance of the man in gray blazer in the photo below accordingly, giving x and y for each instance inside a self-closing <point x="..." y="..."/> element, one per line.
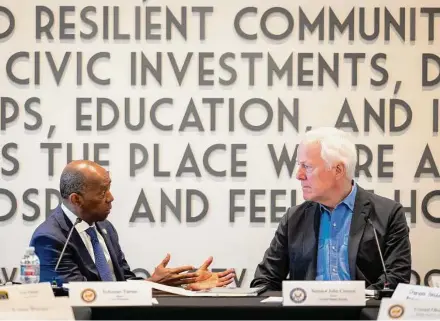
<point x="330" y="236"/>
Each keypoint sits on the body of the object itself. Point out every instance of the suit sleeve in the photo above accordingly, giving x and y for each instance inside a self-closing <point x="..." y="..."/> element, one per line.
<point x="275" y="265"/>
<point x="48" y="250"/>
<point x="397" y="251"/>
<point x="128" y="274"/>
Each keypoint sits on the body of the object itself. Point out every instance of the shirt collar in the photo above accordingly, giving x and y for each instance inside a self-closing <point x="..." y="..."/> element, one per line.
<point x="80" y="227"/>
<point x="348" y="201"/>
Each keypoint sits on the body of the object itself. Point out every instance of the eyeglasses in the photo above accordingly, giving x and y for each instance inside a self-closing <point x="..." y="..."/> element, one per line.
<point x="307" y="168"/>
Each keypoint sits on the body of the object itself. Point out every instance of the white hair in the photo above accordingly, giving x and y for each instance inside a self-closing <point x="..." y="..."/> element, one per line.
<point x="336" y="146"/>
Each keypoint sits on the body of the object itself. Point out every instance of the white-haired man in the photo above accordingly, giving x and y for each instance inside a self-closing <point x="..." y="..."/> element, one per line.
<point x="328" y="237"/>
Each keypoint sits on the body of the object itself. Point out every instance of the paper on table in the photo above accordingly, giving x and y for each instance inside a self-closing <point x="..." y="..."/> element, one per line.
<point x="273" y="299"/>
<point x="369" y="293"/>
<point x="234" y="291"/>
<point x="168" y="289"/>
<point x="208" y="293"/>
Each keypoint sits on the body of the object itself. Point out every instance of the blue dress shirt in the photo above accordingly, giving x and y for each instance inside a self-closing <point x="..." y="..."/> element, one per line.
<point x="332" y="263"/>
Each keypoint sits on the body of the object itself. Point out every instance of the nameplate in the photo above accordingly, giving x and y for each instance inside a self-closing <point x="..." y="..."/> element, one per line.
<point x="435" y="281"/>
<point x="136" y="293"/>
<point x="319" y="293"/>
<point x="36" y="309"/>
<point x="415" y="292"/>
<point x="21" y="292"/>
<point x="391" y="309"/>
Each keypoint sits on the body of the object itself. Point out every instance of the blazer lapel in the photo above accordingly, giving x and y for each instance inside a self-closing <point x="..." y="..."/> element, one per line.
<point x="77" y="242"/>
<point x="116" y="268"/>
<point x="310" y="238"/>
<point x="361" y="212"/>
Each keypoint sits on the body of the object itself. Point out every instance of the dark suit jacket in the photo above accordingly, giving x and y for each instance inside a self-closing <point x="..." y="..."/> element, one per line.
<point x="293" y="250"/>
<point x="77" y="264"/>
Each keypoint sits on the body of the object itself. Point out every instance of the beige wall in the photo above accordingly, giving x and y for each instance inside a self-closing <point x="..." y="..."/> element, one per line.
<point x="238" y="244"/>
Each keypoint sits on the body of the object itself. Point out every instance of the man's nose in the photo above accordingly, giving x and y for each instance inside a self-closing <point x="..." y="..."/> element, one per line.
<point x="110" y="197"/>
<point x="300" y="174"/>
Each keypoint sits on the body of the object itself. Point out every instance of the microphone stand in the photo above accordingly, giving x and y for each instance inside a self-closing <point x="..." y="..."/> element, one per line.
<point x="386" y="292"/>
<point x="78" y="220"/>
<point x="58" y="289"/>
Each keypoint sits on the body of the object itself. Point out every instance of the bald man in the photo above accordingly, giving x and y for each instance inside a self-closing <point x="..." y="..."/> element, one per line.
<point x="93" y="252"/>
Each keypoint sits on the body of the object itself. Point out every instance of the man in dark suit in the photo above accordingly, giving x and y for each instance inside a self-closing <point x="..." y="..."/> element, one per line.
<point x="329" y="237"/>
<point x="93" y="252"/>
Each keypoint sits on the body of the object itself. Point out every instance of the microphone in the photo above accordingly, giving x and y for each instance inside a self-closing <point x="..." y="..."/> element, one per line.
<point x="386" y="292"/>
<point x="78" y="220"/>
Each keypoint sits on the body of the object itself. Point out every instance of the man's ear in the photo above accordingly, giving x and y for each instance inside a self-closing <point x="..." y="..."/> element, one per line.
<point x="340" y="170"/>
<point x="76" y="199"/>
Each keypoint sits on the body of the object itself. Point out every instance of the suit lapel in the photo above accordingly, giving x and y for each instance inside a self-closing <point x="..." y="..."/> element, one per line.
<point x="311" y="237"/>
<point x="76" y="241"/>
<point x="361" y="211"/>
<point x="116" y="268"/>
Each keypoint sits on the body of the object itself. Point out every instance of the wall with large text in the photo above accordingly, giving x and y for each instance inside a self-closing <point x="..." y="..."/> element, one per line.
<point x="196" y="109"/>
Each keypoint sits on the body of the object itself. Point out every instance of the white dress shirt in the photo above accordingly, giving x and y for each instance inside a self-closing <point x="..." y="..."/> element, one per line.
<point x="81" y="229"/>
